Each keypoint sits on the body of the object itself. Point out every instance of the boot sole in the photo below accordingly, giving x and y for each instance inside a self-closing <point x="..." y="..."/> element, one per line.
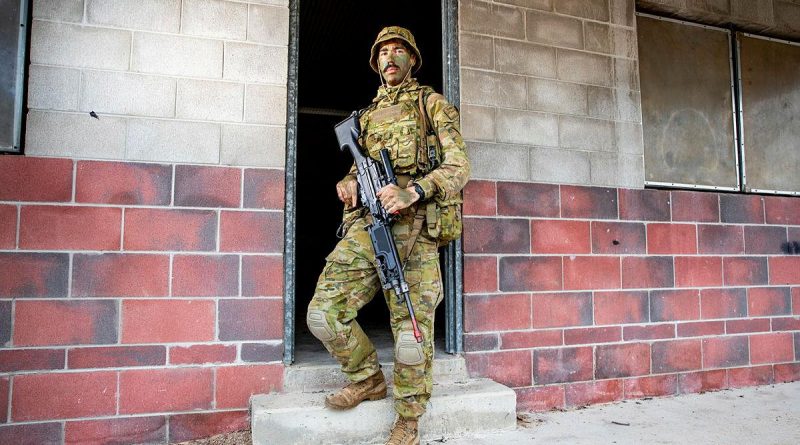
<point x="380" y="394"/>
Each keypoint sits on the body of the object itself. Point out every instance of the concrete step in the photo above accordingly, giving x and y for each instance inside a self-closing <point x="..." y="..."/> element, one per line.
<point x="316" y="377"/>
<point x="456" y="408"/>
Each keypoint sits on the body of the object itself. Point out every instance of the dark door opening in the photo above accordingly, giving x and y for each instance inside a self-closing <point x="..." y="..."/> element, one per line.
<point x="334" y="78"/>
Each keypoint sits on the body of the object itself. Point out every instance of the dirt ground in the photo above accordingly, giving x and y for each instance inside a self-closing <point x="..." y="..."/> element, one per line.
<point x="237" y="438"/>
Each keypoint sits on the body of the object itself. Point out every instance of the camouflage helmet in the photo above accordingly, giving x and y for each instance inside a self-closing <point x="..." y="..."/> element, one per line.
<point x="394" y="32"/>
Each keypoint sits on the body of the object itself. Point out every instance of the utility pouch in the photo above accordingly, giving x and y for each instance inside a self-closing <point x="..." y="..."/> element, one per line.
<point x="444" y="219"/>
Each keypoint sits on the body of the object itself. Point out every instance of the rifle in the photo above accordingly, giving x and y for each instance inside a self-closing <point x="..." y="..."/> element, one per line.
<point x="371" y="177"/>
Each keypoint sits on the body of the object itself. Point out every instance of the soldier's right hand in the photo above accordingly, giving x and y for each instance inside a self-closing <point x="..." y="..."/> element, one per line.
<point x="347" y="189"/>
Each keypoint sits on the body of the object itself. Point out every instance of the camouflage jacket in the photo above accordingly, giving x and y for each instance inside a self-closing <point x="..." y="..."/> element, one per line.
<point x="393" y="121"/>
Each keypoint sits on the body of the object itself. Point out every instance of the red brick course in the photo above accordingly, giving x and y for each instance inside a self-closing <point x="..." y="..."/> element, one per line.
<point x="8" y="226"/>
<point x="165" y="390"/>
<point x="27" y="178"/>
<point x="134" y="429"/>
<point x="64" y="396"/>
<point x="123" y="183"/>
<point x="170" y="229"/>
<point x="69" y="228"/>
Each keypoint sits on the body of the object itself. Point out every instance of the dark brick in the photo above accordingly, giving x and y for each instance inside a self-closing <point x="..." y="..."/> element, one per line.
<point x="202" y="186"/>
<point x="34" y="275"/>
<point x="562" y="310"/>
<point x="649" y="332"/>
<point x="747" y="325"/>
<point x="123" y="183"/>
<point x="695" y="206"/>
<point x="117" y="430"/>
<point x="13" y="360"/>
<point x="481" y="342"/>
<point x="262" y="276"/>
<point x="720" y="239"/>
<point x="117" y="357"/>
<point x="530" y="274"/>
<point x="588" y="202"/>
<point x="491" y="235"/>
<point x="525" y="199"/>
<point x="725" y="352"/>
<point x="262" y="352"/>
<point x="618" y="238"/>
<point x="676" y="356"/>
<point x="120" y="275"/>
<point x="183" y="427"/>
<point x="205" y="275"/>
<point x="43" y="322"/>
<point x="647" y="272"/>
<point x="764" y="240"/>
<point x="623" y="360"/>
<point x="480" y="198"/>
<point x="170" y="229"/>
<point x="5" y="322"/>
<point x="672" y="305"/>
<point x="562" y="365"/>
<point x="644" y="205"/>
<point x="723" y="303"/>
<point x="250" y="319"/>
<point x="31" y="433"/>
<point x="264" y="189"/>
<point x="701" y="328"/>
<point x="750" y="376"/>
<point x="741" y="209"/>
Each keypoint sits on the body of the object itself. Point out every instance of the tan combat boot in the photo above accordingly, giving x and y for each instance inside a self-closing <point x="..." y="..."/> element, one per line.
<point x="404" y="432"/>
<point x="373" y="388"/>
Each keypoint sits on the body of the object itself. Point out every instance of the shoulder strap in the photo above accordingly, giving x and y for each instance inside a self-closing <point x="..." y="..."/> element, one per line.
<point x="429" y="148"/>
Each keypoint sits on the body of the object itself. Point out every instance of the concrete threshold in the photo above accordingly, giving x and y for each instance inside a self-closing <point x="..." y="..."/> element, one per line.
<point x="764" y="415"/>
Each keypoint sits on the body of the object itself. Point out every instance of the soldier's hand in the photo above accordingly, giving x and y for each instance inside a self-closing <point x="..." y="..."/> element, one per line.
<point x="347" y="189"/>
<point x="394" y="199"/>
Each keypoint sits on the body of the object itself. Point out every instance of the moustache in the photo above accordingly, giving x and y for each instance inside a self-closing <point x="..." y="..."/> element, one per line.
<point x="390" y="65"/>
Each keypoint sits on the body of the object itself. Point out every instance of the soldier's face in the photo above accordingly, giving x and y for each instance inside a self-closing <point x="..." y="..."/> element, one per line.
<point x="395" y="61"/>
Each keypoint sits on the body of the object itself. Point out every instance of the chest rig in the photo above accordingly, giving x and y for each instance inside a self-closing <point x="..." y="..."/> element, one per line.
<point x="404" y="129"/>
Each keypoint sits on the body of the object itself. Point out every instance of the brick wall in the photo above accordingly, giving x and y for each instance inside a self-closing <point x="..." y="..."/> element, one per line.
<point x="577" y="295"/>
<point x="137" y="300"/>
<point x="187" y="81"/>
<point x="550" y="91"/>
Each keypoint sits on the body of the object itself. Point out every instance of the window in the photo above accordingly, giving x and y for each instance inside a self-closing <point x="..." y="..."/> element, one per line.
<point x="720" y="109"/>
<point x="13" y="41"/>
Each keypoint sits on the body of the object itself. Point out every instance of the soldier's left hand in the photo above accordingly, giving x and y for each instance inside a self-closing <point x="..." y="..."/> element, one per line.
<point x="394" y="199"/>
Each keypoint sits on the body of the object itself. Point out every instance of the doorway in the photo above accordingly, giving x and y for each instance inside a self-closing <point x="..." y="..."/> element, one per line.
<point x="333" y="78"/>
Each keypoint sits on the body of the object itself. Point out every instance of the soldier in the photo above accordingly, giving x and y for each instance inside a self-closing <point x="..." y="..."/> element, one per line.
<point x="349" y="279"/>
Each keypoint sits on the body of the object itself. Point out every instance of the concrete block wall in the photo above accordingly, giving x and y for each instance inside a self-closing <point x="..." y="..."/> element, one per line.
<point x="578" y="295"/>
<point x="778" y="18"/>
<point x="184" y="81"/>
<point x="550" y="91"/>
<point x="139" y="302"/>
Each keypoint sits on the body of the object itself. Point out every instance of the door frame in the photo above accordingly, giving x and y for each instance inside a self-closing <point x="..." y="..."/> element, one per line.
<point x="452" y="254"/>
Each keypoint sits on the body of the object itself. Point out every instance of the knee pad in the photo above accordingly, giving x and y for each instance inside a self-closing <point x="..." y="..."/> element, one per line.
<point x="407" y="350"/>
<point x="319" y="326"/>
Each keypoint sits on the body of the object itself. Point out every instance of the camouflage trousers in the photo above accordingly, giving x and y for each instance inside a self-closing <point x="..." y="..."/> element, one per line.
<point x="349" y="281"/>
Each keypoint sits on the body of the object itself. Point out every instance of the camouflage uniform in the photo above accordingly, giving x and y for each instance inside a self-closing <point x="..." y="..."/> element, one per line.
<point x="349" y="279"/>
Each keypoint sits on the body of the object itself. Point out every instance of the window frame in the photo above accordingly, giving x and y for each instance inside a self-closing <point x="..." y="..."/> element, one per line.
<point x="20" y="88"/>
